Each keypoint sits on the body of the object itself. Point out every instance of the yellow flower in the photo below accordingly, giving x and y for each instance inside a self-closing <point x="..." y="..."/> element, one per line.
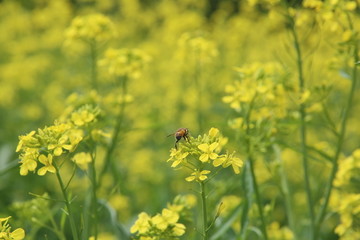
<point x="5" y="231"/>
<point x="82" y="117"/>
<point x="236" y="164"/>
<point x="178" y="230"/>
<point x="208" y="151"/>
<point x="213" y="132"/>
<point x="26" y="140"/>
<point x="47" y="161"/>
<point x="166" y="218"/>
<point x="17" y="234"/>
<point x="82" y="159"/>
<point x="142" y="224"/>
<point x="75" y="137"/>
<point x="60" y="145"/>
<point x="198" y="176"/>
<point x="125" y="62"/>
<point x="177" y="156"/>
<point x="227" y="160"/>
<point x="94" y="27"/>
<point x="28" y="161"/>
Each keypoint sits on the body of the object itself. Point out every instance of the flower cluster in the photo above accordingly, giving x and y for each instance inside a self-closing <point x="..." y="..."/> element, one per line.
<point x="202" y="154"/>
<point x="165" y="225"/>
<point x="331" y="10"/>
<point x="160" y="226"/>
<point x="7" y="234"/>
<point x="346" y="200"/>
<point x="277" y="232"/>
<point x="197" y="48"/>
<point x="33" y="210"/>
<point x="44" y="145"/>
<point x="348" y="208"/>
<point x="92" y="28"/>
<point x="125" y="62"/>
<point x="261" y="84"/>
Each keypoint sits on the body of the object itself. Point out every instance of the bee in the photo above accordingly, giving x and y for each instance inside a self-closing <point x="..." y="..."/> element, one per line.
<point x="180" y="133"/>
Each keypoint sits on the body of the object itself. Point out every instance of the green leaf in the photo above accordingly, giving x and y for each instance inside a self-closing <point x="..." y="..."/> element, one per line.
<point x="249" y="192"/>
<point x="225" y="226"/>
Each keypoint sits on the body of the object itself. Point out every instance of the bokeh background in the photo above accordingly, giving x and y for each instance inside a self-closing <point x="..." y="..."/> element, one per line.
<point x="193" y="48"/>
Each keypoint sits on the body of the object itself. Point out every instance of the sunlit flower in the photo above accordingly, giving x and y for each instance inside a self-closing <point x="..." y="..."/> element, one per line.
<point x="166" y="218"/>
<point x="198" y="176"/>
<point x="82" y="160"/>
<point x="142" y="224"/>
<point x="213" y="132"/>
<point x="7" y="234"/>
<point x="177" y="157"/>
<point x="125" y="62"/>
<point x="236" y="164"/>
<point x="60" y="145"/>
<point x="178" y="229"/>
<point x="94" y="27"/>
<point x="208" y="151"/>
<point x="47" y="161"/>
<point x="27" y="140"/>
<point x="28" y="161"/>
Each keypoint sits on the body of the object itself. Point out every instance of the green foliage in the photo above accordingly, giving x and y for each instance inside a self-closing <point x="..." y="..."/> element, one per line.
<point x="94" y="87"/>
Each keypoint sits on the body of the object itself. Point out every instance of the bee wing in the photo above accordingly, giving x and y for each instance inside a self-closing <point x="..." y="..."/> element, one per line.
<point x="172" y="134"/>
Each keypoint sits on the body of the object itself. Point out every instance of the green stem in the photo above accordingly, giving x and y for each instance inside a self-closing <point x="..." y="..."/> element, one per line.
<point x="258" y="198"/>
<point x="303" y="131"/>
<point x="204" y="210"/>
<point x="93" y="59"/>
<point x="252" y="169"/>
<point x="335" y="166"/>
<point x="94" y="197"/>
<point x="197" y="80"/>
<point x="67" y="203"/>
<point x="115" y="137"/>
<point x="285" y="190"/>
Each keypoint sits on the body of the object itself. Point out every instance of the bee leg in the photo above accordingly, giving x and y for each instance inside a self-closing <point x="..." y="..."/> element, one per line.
<point x="177" y="140"/>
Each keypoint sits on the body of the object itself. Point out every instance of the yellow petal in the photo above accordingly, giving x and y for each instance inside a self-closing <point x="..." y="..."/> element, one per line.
<point x="42" y="171"/>
<point x="5" y="219"/>
<point x="213" y="156"/>
<point x="204" y="158"/>
<point x="190" y="179"/>
<point x="213" y="146"/>
<point x="203" y="147"/>
<point x="213" y="132"/>
<point x="58" y="151"/>
<point x="43" y="159"/>
<point x="18" y="234"/>
<point x="51" y="169"/>
<point x="202" y="177"/>
<point x="218" y="161"/>
<point x="23" y="170"/>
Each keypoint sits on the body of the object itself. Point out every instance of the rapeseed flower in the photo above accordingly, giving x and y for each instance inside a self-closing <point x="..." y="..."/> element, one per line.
<point x="61" y="145"/>
<point x="7" y="234"/>
<point x="161" y="226"/>
<point x="28" y="161"/>
<point x="47" y="161"/>
<point x="82" y="160"/>
<point x="125" y="62"/>
<point x="166" y="218"/>
<point x="94" y="27"/>
<point x="142" y="224"/>
<point x="198" y="175"/>
<point x="208" y="151"/>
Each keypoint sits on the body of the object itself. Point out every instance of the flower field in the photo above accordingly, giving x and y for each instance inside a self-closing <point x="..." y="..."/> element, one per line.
<point x="179" y="119"/>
